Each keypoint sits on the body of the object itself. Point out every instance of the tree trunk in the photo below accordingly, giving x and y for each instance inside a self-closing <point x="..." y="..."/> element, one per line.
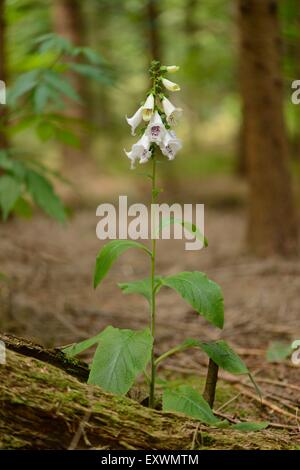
<point x="67" y="22"/>
<point x="272" y="221"/>
<point x="3" y="74"/>
<point x="154" y="40"/>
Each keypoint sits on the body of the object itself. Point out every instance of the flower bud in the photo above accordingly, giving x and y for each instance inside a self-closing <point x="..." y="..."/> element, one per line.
<point x="172" y="68"/>
<point x="170" y="85"/>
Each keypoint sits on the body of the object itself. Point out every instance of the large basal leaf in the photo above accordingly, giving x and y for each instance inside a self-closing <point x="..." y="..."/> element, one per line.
<point x="10" y="190"/>
<point x="222" y="354"/>
<point x="120" y="356"/>
<point x="109" y="253"/>
<point x="43" y="194"/>
<point x="142" y="287"/>
<point x="204" y="295"/>
<point x="185" y="399"/>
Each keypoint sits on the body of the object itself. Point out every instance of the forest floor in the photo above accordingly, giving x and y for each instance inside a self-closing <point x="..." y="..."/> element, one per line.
<point x="48" y="297"/>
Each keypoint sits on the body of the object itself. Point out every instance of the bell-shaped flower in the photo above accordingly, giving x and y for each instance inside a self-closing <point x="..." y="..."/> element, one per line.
<point x="140" y="151"/>
<point x="148" y="108"/>
<point x="172" y="68"/>
<point x="135" y="120"/>
<point x="156" y="129"/>
<point x="170" y="85"/>
<point x="172" y="113"/>
<point x="170" y="145"/>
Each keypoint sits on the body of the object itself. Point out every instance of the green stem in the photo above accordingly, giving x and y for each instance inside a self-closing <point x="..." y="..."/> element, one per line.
<point x="153" y="297"/>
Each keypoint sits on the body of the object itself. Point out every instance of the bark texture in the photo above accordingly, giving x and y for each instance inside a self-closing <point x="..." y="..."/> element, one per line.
<point x="154" y="39"/>
<point x="68" y="22"/>
<point x="272" y="220"/>
<point x="42" y="407"/>
<point x="3" y="73"/>
<point x="211" y="383"/>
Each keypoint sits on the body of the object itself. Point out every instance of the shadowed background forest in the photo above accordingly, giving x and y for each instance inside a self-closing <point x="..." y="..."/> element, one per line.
<point x="73" y="70"/>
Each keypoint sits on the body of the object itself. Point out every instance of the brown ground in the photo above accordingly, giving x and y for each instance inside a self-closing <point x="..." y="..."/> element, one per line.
<point x="49" y="298"/>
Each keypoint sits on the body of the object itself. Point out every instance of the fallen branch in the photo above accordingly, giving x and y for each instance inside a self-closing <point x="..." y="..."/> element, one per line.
<point x="42" y="407"/>
<point x="53" y="356"/>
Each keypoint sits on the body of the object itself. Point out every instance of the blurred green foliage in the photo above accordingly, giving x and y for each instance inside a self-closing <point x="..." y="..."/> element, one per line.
<point x="36" y="101"/>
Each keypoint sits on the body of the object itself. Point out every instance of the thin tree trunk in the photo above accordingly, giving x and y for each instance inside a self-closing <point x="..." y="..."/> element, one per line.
<point x="67" y="22"/>
<point x="211" y="383"/>
<point x="272" y="221"/>
<point x="153" y="31"/>
<point x="241" y="157"/>
<point x="3" y="74"/>
<point x="290" y="10"/>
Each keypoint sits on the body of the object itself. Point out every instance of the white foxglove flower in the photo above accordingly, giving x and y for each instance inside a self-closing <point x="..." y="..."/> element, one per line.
<point x="140" y="151"/>
<point x="148" y="108"/>
<point x="173" y="114"/>
<point x="172" y="68"/>
<point x="135" y="120"/>
<point x="170" y="145"/>
<point x="156" y="129"/>
<point x="170" y="85"/>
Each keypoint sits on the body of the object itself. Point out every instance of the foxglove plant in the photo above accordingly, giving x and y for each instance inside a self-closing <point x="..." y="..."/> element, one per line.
<point x="123" y="354"/>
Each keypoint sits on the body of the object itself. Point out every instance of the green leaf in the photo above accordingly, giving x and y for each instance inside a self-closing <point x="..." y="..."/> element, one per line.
<point x="41" y="97"/>
<point x="89" y="71"/>
<point x="250" y="427"/>
<point x="14" y="167"/>
<point x="24" y="83"/>
<point x="222" y="354"/>
<point x="67" y="137"/>
<point x="142" y="287"/>
<point x="52" y="41"/>
<point x="92" y="56"/>
<point x="10" y="189"/>
<point x="22" y="124"/>
<point x="185" y="399"/>
<point x="58" y="82"/>
<point x="204" y="295"/>
<point x="192" y="228"/>
<point x="77" y="348"/>
<point x="45" y="130"/>
<point x="22" y="208"/>
<point x="295" y="344"/>
<point x="109" y="253"/>
<point x="278" y="351"/>
<point x="44" y="195"/>
<point x="120" y="356"/>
